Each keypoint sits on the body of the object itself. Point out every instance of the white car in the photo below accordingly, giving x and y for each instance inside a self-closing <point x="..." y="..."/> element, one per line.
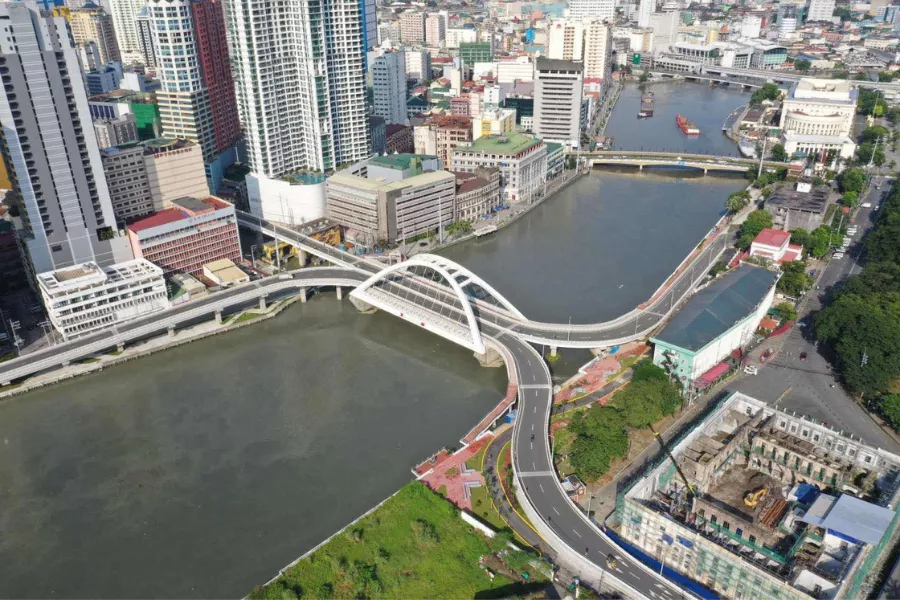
<point x="751" y="370"/>
<point x="838" y="255"/>
<point x="866" y="205"/>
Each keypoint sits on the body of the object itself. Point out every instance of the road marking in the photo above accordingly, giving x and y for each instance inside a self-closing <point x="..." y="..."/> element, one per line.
<point x="529" y="362"/>
<point x="633" y="575"/>
<point x="532" y="446"/>
<point x="535" y="409"/>
<point x="540" y="485"/>
<point x="576" y="533"/>
<point x="536" y="386"/>
<point x="554" y="510"/>
<point x="532" y="426"/>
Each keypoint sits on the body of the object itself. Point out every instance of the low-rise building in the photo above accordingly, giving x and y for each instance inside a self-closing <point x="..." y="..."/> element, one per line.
<point x="182" y="239"/>
<point x="522" y="161"/>
<point x="764" y="504"/>
<point x="440" y="135"/>
<point x="391" y="198"/>
<point x="476" y="194"/>
<point x="775" y="245"/>
<point x="717" y="320"/>
<point x="499" y="121"/>
<point x="116" y="131"/>
<point x="224" y="273"/>
<point x="798" y="207"/>
<point x="87" y="298"/>
<point x="293" y="199"/>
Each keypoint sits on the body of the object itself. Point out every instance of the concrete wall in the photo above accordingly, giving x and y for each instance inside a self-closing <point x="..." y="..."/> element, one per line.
<point x="284" y="202"/>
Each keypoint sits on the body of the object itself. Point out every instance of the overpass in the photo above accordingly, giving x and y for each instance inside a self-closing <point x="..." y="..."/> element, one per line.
<point x="647" y="158"/>
<point x="436" y="294"/>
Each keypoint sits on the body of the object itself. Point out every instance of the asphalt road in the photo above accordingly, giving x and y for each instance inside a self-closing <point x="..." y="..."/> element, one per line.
<point x="811" y="380"/>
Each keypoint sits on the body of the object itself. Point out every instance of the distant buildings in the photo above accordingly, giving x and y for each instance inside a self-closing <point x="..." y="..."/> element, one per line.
<point x="566" y="40"/>
<point x="418" y="65"/>
<point x="412" y="27"/>
<point x="398" y="139"/>
<point x="820" y="10"/>
<point x="115" y="132"/>
<point x="598" y="50"/>
<point x="392" y="198"/>
<point x="522" y="161"/>
<point x="90" y="23"/>
<point x="123" y="14"/>
<point x="440" y="135"/>
<point x="435" y="31"/>
<point x="86" y="298"/>
<point x="600" y="9"/>
<point x="557" y="101"/>
<point x="187" y="236"/>
<point x="65" y="204"/>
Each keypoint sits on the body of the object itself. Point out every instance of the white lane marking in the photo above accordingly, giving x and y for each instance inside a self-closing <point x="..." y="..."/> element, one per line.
<point x="576" y="533"/>
<point x="535" y="409"/>
<point x="529" y="362"/>
<point x="532" y="445"/>
<point x="633" y="575"/>
<point x="533" y="466"/>
<point x="532" y="426"/>
<point x="554" y="510"/>
<point x="542" y="487"/>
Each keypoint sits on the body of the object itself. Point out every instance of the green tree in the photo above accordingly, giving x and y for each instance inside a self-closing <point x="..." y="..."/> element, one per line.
<point x="885" y="76"/>
<point x="870" y="134"/>
<point x="786" y="312"/>
<point x="645" y="76"/>
<point x="778" y="153"/>
<point x="870" y="103"/>
<point x="601" y="438"/>
<point x="756" y="221"/>
<point x="737" y="201"/>
<point x="852" y="180"/>
<point x="819" y="242"/>
<point x="843" y="12"/>
<point x="794" y="278"/>
<point x="866" y="152"/>
<point x="802" y="65"/>
<point x="890" y="408"/>
<point x="801" y="237"/>
<point x="850" y="199"/>
<point x="647" y="371"/>
<point x="768" y="91"/>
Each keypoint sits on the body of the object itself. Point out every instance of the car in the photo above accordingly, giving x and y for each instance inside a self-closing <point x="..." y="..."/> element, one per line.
<point x="866" y="205"/>
<point x="838" y="255"/>
<point x="751" y="370"/>
<point x="423" y="243"/>
<point x="803" y="356"/>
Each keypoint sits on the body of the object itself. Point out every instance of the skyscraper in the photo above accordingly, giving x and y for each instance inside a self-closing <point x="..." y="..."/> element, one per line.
<point x="299" y="68"/>
<point x="566" y="40"/>
<point x="557" y="101"/>
<point x="197" y="100"/>
<point x="389" y="87"/>
<point x="645" y="9"/>
<point x="123" y="15"/>
<point x="91" y="23"/>
<point x="145" y="37"/>
<point x="597" y="49"/>
<point x="49" y="141"/>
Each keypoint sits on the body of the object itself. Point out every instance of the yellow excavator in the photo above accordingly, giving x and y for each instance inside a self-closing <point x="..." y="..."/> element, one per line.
<point x="753" y="498"/>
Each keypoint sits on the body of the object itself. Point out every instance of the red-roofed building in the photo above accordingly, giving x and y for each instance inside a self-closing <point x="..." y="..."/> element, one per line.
<point x="775" y="245"/>
<point x="192" y="233"/>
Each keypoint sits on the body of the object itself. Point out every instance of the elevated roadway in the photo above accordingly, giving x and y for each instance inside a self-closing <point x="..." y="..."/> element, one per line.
<point x="704" y="162"/>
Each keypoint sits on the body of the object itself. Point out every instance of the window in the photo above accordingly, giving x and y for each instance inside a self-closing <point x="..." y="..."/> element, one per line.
<point x="752" y="539"/>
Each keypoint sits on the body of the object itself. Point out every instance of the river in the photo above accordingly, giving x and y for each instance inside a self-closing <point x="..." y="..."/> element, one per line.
<point x="201" y="470"/>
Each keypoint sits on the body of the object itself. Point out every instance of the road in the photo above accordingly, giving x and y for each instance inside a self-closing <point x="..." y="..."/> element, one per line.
<point x="811" y="380"/>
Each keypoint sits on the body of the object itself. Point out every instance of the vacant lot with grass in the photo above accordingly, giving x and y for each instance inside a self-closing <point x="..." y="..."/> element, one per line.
<point x="414" y="546"/>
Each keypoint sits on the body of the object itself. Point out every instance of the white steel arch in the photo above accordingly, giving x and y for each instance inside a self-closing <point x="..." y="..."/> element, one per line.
<point x="426" y="260"/>
<point x="468" y="277"/>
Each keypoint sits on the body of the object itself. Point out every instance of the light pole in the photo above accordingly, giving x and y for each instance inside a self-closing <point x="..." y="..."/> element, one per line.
<point x="15" y="326"/>
<point x="253" y="255"/>
<point x="590" y="499"/>
<point x="762" y="155"/>
<point x="569" y="332"/>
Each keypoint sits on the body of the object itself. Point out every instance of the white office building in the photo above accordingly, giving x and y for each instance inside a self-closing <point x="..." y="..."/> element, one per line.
<point x="418" y="64"/>
<point x="597" y="50"/>
<point x="645" y="9"/>
<point x="817" y="115"/>
<point x="519" y="68"/>
<point x="592" y="9"/>
<point x="124" y="13"/>
<point x="86" y="298"/>
<point x="566" y="40"/>
<point x="665" y="30"/>
<point x="557" y="102"/>
<point x="389" y="87"/>
<point x="522" y="161"/>
<point x="751" y="26"/>
<point x="301" y="89"/>
<point x="820" y="10"/>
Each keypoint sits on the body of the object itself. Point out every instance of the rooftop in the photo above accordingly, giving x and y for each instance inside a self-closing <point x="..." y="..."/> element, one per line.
<point x="400" y="161"/>
<point x="182" y="208"/>
<point x="717" y="308"/>
<point x="509" y="144"/>
<point x="787" y="196"/>
<point x="549" y="64"/>
<point x="772" y="237"/>
<point x="394" y="129"/>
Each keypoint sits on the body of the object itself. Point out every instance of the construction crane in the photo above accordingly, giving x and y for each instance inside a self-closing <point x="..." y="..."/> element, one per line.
<point x="662" y="444"/>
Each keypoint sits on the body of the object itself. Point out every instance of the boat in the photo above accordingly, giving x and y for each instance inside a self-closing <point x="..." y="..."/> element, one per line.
<point x="686" y="125"/>
<point x="646" y="106"/>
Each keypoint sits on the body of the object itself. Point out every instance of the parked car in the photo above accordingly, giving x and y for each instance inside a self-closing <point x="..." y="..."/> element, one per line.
<point x="751" y="370"/>
<point x="838" y="255"/>
<point x="866" y="205"/>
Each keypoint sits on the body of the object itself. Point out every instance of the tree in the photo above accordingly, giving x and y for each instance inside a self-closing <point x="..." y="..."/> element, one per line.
<point x="794" y="278"/>
<point x="850" y="199"/>
<point x="870" y="134"/>
<point x="778" y="153"/>
<point x="769" y="91"/>
<point x="737" y="201"/>
<point x="601" y="438"/>
<point x="870" y="103"/>
<point x="885" y="76"/>
<point x="801" y="237"/>
<point x="645" y="76"/>
<point x="802" y="65"/>
<point x="843" y="12"/>
<point x="852" y="180"/>
<point x="785" y="312"/>
<point x="819" y="241"/>
<point x="890" y="408"/>
<point x="756" y="221"/>
<point x="870" y="152"/>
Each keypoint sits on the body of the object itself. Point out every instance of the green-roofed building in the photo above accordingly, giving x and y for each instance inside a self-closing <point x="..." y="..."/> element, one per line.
<point x="719" y="319"/>
<point x="522" y="161"/>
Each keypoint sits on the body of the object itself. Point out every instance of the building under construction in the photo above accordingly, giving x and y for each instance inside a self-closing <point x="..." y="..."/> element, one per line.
<point x="764" y="503"/>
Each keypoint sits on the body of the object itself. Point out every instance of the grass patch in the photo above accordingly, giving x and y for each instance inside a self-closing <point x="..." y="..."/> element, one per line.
<point x="483" y="508"/>
<point x="12" y="386"/>
<point x="477" y="461"/>
<point x="113" y="352"/>
<point x="414" y="546"/>
<point x="7" y="356"/>
<point x="625" y="364"/>
<point x="244" y="317"/>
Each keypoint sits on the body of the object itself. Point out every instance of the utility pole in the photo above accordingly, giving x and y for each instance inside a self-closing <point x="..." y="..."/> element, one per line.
<point x="865" y="358"/>
<point x="762" y="155"/>
<point x="874" y="150"/>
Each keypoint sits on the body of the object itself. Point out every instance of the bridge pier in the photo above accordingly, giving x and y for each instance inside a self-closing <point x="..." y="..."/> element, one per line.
<point x="218" y="317"/>
<point x="553" y="351"/>
<point x="490" y="358"/>
<point x="302" y="295"/>
<point x="362" y="306"/>
<point x="640" y="167"/>
<point x="339" y="292"/>
<point x="301" y="256"/>
<point x="262" y="303"/>
<point x="120" y="347"/>
<point x="171" y="331"/>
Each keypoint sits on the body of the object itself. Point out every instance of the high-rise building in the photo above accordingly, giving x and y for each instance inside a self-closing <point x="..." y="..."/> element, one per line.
<point x="665" y="30"/>
<point x="145" y="37"/>
<point x="301" y="90"/>
<point x="787" y="20"/>
<point x="418" y="64"/>
<point x="49" y="142"/>
<point x="566" y="40"/>
<point x="435" y="31"/>
<point x="389" y="32"/>
<point x="389" y="86"/>
<point x="91" y="23"/>
<point x="592" y="9"/>
<point x="820" y="10"/>
<point x="123" y="16"/>
<point x="557" y="101"/>
<point x="412" y="27"/>
<point x="196" y="101"/>
<point x="597" y="50"/>
<point x="751" y="26"/>
<point x="645" y="9"/>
